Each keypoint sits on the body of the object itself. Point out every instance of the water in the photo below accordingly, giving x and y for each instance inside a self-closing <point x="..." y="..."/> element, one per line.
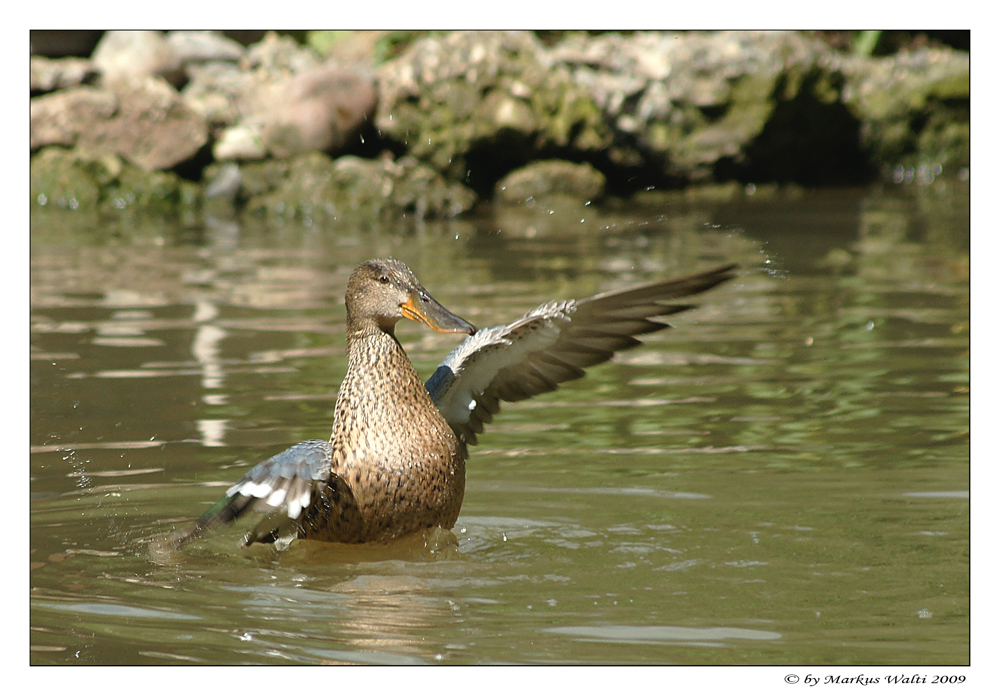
<point x="782" y="479"/>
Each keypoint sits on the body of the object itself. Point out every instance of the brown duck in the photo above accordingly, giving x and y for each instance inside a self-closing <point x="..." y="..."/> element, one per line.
<point x="395" y="463"/>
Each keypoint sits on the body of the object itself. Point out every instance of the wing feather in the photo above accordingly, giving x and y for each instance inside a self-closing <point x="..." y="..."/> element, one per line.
<point x="283" y="486"/>
<point x="551" y="344"/>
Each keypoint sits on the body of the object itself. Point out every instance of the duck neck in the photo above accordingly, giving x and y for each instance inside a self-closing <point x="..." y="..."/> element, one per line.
<point x="379" y="375"/>
<point x="369" y="346"/>
<point x="364" y="330"/>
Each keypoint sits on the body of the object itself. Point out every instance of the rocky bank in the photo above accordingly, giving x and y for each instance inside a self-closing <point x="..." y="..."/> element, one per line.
<point x="170" y="122"/>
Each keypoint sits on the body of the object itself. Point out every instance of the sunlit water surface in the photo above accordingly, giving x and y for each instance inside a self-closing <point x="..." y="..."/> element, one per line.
<point x="781" y="479"/>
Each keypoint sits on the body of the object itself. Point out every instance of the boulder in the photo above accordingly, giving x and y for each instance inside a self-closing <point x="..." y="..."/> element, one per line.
<point x="317" y="110"/>
<point x="547" y="179"/>
<point x="913" y="106"/>
<point x="86" y="181"/>
<point x="223" y="93"/>
<point x="312" y="186"/>
<point x="204" y="47"/>
<point x="482" y="103"/>
<point x="143" y="120"/>
<point x="59" y="118"/>
<point x="684" y="103"/>
<point x="48" y="75"/>
<point x="239" y="143"/>
<point x="277" y="57"/>
<point x="132" y="54"/>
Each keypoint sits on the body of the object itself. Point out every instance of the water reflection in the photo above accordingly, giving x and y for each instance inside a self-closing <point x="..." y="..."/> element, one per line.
<point x="700" y="637"/>
<point x="207" y="351"/>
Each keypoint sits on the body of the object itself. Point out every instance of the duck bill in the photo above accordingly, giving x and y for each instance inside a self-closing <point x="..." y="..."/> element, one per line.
<point x="429" y="311"/>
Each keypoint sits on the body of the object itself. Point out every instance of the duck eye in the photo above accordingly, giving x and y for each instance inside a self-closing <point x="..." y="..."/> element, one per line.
<point x="384" y="279"/>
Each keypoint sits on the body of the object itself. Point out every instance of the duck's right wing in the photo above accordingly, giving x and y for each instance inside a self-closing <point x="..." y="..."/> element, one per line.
<point x="283" y="485"/>
<point x="551" y="344"/>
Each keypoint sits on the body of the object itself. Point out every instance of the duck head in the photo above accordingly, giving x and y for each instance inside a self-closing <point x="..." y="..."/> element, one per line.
<point x="384" y="291"/>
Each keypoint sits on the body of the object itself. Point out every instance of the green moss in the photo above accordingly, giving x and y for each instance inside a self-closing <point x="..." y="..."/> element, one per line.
<point x="945" y="140"/>
<point x="395" y="42"/>
<point x="951" y="87"/>
<point x="578" y="121"/>
<point x="259" y="178"/>
<point x="323" y="41"/>
<point x="154" y="192"/>
<point x="356" y="190"/>
<point x="76" y="180"/>
<point x="59" y="179"/>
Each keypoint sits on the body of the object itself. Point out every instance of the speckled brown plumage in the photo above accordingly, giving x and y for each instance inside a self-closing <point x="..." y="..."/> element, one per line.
<point x="397" y="465"/>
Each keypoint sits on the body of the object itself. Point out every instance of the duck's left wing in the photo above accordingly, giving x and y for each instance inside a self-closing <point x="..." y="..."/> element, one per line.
<point x="552" y="343"/>
<point x="284" y="485"/>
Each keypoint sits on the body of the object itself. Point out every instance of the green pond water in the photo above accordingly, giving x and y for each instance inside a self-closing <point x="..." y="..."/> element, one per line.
<point x="782" y="479"/>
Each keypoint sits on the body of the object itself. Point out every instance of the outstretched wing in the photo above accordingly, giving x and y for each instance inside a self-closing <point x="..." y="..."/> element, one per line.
<point x="552" y="343"/>
<point x="284" y="485"/>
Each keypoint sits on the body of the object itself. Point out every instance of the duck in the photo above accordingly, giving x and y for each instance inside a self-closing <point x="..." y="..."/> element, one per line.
<point x="394" y="464"/>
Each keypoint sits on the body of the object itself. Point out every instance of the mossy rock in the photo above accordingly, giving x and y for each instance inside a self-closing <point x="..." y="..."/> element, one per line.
<point x="312" y="186"/>
<point x="475" y="105"/>
<point x="914" y="108"/>
<point x="63" y="180"/>
<point x="77" y="180"/>
<point x="551" y="178"/>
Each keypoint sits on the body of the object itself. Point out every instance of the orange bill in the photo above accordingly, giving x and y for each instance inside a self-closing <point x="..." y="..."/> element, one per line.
<point x="421" y="307"/>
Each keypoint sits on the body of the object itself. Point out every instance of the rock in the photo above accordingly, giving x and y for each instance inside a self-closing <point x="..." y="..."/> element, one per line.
<point x="223" y="181"/>
<point x="223" y="186"/>
<point x="277" y="57"/>
<point x="665" y="109"/>
<point x="317" y="110"/>
<point x="778" y="106"/>
<point x="546" y="179"/>
<point x="155" y="192"/>
<point x="418" y="189"/>
<point x="59" y="118"/>
<point x="684" y="102"/>
<point x="500" y="111"/>
<point x="312" y="186"/>
<point x="144" y="121"/>
<point x="644" y="109"/>
<point x="348" y="47"/>
<point x="48" y="75"/>
<point x="221" y="92"/>
<point x="130" y="54"/>
<point x="241" y="142"/>
<point x="60" y="179"/>
<point x="153" y="128"/>
<point x="204" y="47"/>
<point x="431" y="99"/>
<point x="278" y="88"/>
<point x="914" y="107"/>
<point x="77" y="180"/>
